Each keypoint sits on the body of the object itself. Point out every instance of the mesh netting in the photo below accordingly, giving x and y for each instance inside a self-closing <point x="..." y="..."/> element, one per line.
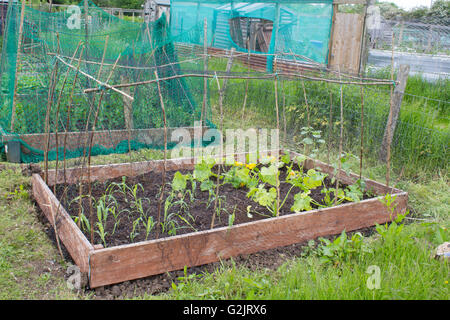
<point x="260" y="26"/>
<point x="41" y="90"/>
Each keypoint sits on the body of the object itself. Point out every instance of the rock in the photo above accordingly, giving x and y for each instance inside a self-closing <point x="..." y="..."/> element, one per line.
<point x="99" y="291"/>
<point x="115" y="290"/>
<point x="443" y="251"/>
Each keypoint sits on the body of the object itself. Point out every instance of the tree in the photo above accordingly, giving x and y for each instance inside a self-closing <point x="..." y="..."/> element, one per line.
<point x="390" y="10"/>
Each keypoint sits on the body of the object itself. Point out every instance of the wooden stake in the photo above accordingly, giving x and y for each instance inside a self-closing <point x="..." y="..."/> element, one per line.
<point x="205" y="69"/>
<point x="284" y="113"/>
<point x="394" y="112"/>
<point x="246" y="82"/>
<point x="341" y="137"/>
<point x="220" y="146"/>
<point x="19" y="48"/>
<point x="51" y="91"/>
<point x="91" y="138"/>
<point x="161" y="196"/>
<point x="68" y="121"/>
<point x="388" y="157"/>
<point x="362" y="133"/>
<point x="58" y="104"/>
<point x="330" y="126"/>
<point x="278" y="130"/>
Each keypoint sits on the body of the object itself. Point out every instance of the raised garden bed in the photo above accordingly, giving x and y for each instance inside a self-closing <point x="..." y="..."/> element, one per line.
<point x="245" y="225"/>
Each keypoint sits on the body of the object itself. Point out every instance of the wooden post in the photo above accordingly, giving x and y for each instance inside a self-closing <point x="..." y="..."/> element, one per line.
<point x="86" y="30"/>
<point x="161" y="196"/>
<point x="277" y="211"/>
<point x="19" y="48"/>
<point x="273" y="40"/>
<point x="225" y="81"/>
<point x="330" y="44"/>
<point x="246" y="82"/>
<point x="127" y="105"/>
<point x="397" y="98"/>
<point x="365" y="40"/>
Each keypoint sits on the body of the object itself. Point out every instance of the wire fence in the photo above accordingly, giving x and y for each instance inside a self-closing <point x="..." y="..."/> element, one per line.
<point x="412" y="37"/>
<point x="421" y="138"/>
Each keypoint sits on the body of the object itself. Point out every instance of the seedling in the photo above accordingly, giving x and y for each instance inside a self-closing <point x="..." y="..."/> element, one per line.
<point x="311" y="140"/>
<point x="149" y="224"/>
<point x="135" y="230"/>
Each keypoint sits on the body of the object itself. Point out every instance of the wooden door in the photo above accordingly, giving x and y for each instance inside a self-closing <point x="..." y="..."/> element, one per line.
<point x="346" y="42"/>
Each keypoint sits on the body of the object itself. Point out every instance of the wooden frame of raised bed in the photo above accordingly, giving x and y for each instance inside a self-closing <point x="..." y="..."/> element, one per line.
<point x="132" y="261"/>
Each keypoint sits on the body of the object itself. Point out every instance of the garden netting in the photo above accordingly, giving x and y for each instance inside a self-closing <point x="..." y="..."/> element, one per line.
<point x="43" y="81"/>
<point x="302" y="27"/>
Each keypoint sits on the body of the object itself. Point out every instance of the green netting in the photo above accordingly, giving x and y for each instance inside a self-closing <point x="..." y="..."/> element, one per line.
<point x="261" y="26"/>
<point x="140" y="49"/>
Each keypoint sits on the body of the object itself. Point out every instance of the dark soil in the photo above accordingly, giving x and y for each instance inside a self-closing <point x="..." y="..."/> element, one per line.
<point x="198" y="211"/>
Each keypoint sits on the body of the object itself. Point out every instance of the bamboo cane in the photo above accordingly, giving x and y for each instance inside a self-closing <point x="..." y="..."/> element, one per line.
<point x="161" y="196"/>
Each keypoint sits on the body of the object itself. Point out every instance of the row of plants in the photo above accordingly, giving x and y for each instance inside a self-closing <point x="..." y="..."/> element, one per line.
<point x="261" y="183"/>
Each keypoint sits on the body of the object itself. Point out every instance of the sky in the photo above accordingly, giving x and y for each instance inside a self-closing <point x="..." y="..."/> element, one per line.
<point x="409" y="4"/>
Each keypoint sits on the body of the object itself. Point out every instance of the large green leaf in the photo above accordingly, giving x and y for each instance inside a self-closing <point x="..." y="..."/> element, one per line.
<point x="270" y="174"/>
<point x="179" y="181"/>
<point x="202" y="171"/>
<point x="302" y="202"/>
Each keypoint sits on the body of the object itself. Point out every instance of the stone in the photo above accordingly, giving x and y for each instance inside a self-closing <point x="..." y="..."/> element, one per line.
<point x="443" y="251"/>
<point x="115" y="290"/>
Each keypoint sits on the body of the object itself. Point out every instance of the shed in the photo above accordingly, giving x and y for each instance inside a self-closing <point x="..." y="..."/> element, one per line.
<point x="313" y="29"/>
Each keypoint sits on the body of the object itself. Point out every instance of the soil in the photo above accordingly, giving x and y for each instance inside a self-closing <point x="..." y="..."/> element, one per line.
<point x="197" y="212"/>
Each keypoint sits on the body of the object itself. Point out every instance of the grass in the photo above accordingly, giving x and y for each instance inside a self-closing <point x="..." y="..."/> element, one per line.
<point x="400" y="259"/>
<point x="30" y="267"/>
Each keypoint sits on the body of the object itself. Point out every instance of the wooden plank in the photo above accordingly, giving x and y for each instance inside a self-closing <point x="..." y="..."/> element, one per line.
<point x="127" y="262"/>
<point x="347" y="39"/>
<point x="72" y="238"/>
<point x="106" y="172"/>
<point x="130" y="169"/>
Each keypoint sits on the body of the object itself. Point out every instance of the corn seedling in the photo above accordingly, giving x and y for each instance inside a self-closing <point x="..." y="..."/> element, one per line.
<point x="149" y="224"/>
<point x="135" y="230"/>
